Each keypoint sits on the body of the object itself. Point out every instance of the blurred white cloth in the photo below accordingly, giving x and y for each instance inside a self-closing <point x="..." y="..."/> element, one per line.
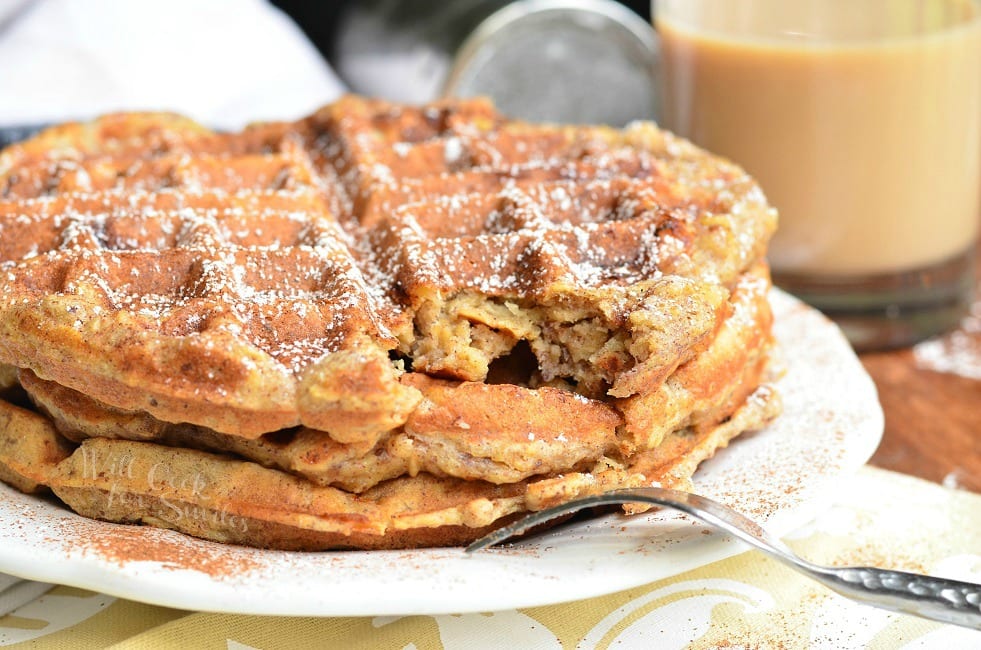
<point x="222" y="62"/>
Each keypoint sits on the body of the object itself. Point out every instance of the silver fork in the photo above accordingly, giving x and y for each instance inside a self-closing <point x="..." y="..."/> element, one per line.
<point x="938" y="599"/>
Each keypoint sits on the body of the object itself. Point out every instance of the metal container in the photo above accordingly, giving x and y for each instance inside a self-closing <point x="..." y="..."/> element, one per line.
<point x="586" y="61"/>
<point x="570" y="61"/>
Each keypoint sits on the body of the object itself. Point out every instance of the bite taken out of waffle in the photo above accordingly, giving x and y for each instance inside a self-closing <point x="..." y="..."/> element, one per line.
<point x="381" y="326"/>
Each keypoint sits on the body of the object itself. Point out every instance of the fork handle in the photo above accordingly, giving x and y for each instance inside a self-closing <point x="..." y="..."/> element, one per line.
<point x="939" y="599"/>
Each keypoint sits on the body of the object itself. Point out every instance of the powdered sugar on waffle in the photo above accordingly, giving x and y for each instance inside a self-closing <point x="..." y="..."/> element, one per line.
<point x="261" y="234"/>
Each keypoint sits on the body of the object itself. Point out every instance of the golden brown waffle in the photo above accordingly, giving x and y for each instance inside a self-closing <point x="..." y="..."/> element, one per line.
<point x="380" y="326"/>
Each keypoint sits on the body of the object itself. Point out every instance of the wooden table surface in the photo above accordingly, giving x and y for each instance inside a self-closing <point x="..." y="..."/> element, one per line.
<point x="933" y="419"/>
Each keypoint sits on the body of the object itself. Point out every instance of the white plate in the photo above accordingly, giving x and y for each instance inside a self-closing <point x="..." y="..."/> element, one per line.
<point x="831" y="424"/>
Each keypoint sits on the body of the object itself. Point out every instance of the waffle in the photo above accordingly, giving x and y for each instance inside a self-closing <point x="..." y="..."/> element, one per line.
<point x="381" y="326"/>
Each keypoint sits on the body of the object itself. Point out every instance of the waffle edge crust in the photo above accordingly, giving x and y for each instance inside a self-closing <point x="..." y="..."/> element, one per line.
<point x="381" y="326"/>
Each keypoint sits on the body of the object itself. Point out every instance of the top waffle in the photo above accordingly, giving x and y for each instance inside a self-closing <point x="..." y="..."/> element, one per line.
<point x="261" y="280"/>
<point x="379" y="326"/>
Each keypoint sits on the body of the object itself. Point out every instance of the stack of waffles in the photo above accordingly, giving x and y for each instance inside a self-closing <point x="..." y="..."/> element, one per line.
<point x="381" y="326"/>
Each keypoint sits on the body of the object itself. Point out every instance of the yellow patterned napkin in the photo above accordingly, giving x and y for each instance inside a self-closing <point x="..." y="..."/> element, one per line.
<point x="747" y="601"/>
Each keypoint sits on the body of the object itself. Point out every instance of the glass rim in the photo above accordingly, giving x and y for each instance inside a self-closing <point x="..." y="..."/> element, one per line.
<point x="965" y="24"/>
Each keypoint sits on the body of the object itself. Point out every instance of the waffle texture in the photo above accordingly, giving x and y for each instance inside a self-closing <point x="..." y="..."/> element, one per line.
<point x="380" y="326"/>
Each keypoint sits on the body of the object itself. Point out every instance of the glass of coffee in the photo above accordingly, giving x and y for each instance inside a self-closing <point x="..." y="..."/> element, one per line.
<point x="861" y="119"/>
